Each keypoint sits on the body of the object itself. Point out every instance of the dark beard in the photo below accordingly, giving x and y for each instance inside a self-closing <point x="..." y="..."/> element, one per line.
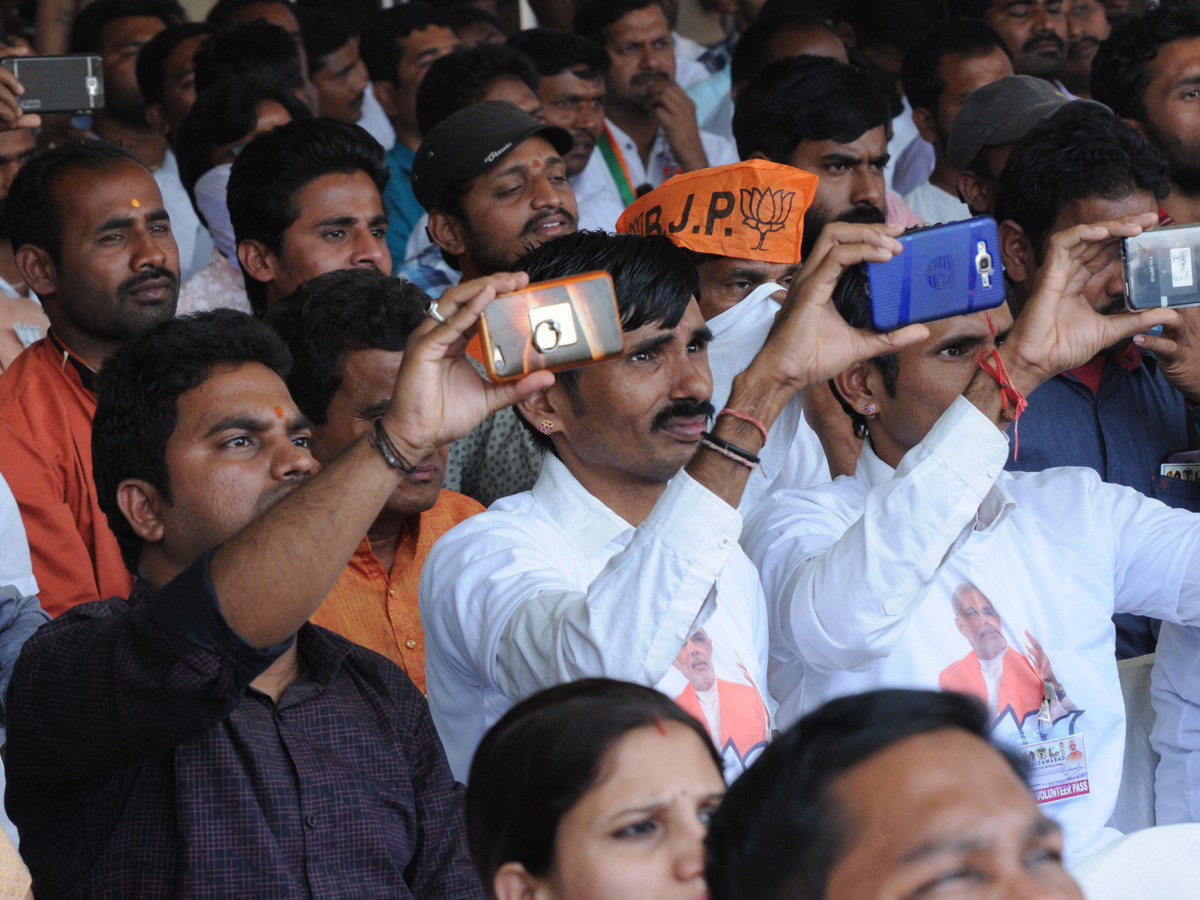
<point x="1183" y="160"/>
<point x="815" y="221"/>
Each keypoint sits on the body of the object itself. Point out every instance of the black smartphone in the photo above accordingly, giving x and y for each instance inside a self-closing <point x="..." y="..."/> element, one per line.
<point x="1160" y="267"/>
<point x="58" y="84"/>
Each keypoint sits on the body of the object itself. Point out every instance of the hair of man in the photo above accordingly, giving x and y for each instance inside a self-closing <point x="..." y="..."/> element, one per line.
<point x="1120" y="69"/>
<point x="593" y="18"/>
<point x="137" y="400"/>
<point x="272" y="169"/>
<point x="34" y="213"/>
<point x="752" y="53"/>
<point x="554" y="52"/>
<point x="461" y="78"/>
<point x="921" y="72"/>
<point x="654" y="281"/>
<point x="223" y="15"/>
<point x="889" y="23"/>
<point x="255" y="48"/>
<point x="152" y="58"/>
<point x="90" y="21"/>
<point x="780" y="829"/>
<point x="221" y="115"/>
<point x="334" y="314"/>
<point x="1081" y="151"/>
<point x="381" y="46"/>
<point x="805" y="98"/>
<point x="543" y="755"/>
<point x="324" y="32"/>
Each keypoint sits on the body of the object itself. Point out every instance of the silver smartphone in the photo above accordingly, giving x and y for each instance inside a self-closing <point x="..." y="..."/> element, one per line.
<point x="1162" y="267"/>
<point x="58" y="84"/>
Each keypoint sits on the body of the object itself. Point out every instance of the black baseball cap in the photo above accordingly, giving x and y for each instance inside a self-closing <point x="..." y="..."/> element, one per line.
<point x="999" y="113"/>
<point x="472" y="141"/>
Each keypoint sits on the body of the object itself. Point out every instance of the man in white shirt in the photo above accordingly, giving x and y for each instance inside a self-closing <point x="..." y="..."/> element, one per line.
<point x="166" y="80"/>
<point x="746" y="251"/>
<point x="627" y="543"/>
<point x="651" y="133"/>
<point x="860" y="574"/>
<point x="952" y="60"/>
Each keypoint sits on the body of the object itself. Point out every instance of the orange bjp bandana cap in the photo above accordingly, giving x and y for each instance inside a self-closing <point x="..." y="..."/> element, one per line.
<point x="747" y="210"/>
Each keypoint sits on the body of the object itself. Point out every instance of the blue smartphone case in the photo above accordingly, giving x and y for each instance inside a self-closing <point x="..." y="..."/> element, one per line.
<point x="945" y="270"/>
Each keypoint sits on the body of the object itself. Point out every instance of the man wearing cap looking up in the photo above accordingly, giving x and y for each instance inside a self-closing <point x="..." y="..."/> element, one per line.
<point x="987" y="127"/>
<point x="494" y="182"/>
<point x="743" y="225"/>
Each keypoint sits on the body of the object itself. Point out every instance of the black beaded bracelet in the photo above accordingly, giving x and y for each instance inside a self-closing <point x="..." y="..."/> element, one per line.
<point x="732" y="448"/>
<point x="382" y="441"/>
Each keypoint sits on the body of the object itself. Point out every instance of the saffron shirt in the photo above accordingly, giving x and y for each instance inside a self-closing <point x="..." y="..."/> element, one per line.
<point x="47" y="401"/>
<point x="378" y="610"/>
<point x="860" y="576"/>
<point x="551" y="585"/>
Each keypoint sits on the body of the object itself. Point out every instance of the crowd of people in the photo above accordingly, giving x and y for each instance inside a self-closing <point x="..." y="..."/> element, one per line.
<point x="296" y="602"/>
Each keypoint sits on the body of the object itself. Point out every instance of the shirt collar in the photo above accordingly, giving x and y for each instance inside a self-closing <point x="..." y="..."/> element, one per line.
<point x="586" y="521"/>
<point x="87" y="377"/>
<point x="995" y="508"/>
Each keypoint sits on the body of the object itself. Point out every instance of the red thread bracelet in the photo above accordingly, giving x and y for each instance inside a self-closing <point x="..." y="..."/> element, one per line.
<point x="1008" y="394"/>
<point x="745" y="417"/>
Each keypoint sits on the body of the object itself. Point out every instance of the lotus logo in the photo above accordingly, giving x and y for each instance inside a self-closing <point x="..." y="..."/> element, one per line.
<point x="940" y="272"/>
<point x="766" y="211"/>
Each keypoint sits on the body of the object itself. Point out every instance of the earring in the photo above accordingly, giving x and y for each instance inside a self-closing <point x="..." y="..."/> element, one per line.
<point x="869" y="412"/>
<point x="545" y="426"/>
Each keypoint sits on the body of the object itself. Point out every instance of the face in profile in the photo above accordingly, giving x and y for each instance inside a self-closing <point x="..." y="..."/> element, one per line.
<point x="638" y="833"/>
<point x="979" y="622"/>
<point x="943" y="815"/>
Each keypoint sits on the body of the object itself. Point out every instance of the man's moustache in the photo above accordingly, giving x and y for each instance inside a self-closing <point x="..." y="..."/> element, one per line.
<point x="648" y="78"/>
<point x="864" y="215"/>
<point x="1042" y="38"/>
<point x="682" y="409"/>
<point x="532" y="225"/>
<point x="149" y="275"/>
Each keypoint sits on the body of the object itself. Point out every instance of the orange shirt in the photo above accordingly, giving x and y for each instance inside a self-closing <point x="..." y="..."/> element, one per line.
<point x="46" y="408"/>
<point x="379" y="611"/>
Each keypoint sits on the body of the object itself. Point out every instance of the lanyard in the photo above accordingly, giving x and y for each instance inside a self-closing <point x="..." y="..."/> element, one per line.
<point x="616" y="166"/>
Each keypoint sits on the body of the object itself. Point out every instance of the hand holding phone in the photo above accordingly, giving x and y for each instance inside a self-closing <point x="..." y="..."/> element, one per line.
<point x="551" y="325"/>
<point x="1161" y="268"/>
<point x="56" y="84"/>
<point x="943" y="271"/>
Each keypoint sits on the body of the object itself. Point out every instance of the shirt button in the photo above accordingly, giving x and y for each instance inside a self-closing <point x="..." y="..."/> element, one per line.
<point x="410" y="643"/>
<point x="992" y="471"/>
<point x="279" y="715"/>
<point x="310" y="820"/>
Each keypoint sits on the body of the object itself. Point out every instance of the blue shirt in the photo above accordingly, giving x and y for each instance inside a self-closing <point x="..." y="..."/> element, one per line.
<point x="429" y="271"/>
<point x="403" y="210"/>
<point x="1124" y="431"/>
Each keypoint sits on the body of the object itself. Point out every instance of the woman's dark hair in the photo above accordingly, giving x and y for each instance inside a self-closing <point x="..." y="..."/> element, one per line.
<point x="137" y="400"/>
<point x="277" y="164"/>
<point x="851" y="301"/>
<point x="334" y="314"/>
<point x="33" y="213"/>
<point x="654" y="281"/>
<point x="221" y="115"/>
<point x="89" y="21"/>
<point x="460" y="79"/>
<point x="780" y="829"/>
<point x="257" y="48"/>
<point x="921" y="70"/>
<point x="152" y="58"/>
<point x="1119" y="69"/>
<point x="542" y="757"/>
<point x="593" y="18"/>
<point x="554" y="52"/>
<point x="1081" y="151"/>
<point x="806" y="98"/>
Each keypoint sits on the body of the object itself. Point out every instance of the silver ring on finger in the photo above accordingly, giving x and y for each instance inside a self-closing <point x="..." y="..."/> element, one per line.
<point x="433" y="312"/>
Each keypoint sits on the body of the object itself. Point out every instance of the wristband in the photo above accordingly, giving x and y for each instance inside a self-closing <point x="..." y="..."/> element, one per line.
<point x="712" y="440"/>
<point x="745" y="417"/>
<point x="1008" y="395"/>
<point x="729" y="454"/>
<point x="382" y="441"/>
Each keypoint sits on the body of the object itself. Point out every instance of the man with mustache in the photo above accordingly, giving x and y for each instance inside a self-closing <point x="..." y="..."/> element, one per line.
<point x="1087" y="28"/>
<point x="731" y="710"/>
<point x="93" y="241"/>
<point x="1126" y="410"/>
<point x="334" y="65"/>
<point x="1034" y="30"/>
<point x="628" y="541"/>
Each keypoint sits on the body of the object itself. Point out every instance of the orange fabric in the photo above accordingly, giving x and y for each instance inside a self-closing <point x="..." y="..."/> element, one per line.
<point x="743" y="716"/>
<point x="378" y="610"/>
<point x="747" y="210"/>
<point x="1020" y="687"/>
<point x="46" y="458"/>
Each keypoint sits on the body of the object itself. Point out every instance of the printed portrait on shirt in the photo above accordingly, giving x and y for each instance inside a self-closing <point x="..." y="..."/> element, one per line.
<point x="1012" y="684"/>
<point x="724" y="699"/>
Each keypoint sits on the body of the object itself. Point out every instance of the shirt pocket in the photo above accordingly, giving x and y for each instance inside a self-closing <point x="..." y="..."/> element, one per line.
<point x="1176" y="492"/>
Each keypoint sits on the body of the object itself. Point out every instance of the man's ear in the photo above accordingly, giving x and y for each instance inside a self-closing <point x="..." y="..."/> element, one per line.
<point x="141" y="504"/>
<point x="37" y="269"/>
<point x="973" y="192"/>
<point x="257" y="260"/>
<point x="923" y="119"/>
<point x="854" y="384"/>
<point x="156" y="115"/>
<point x="386" y="93"/>
<point x="1016" y="251"/>
<point x="447" y="232"/>
<point x="1138" y="127"/>
<point x="513" y="882"/>
<point x="845" y="33"/>
<point x="540" y="406"/>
